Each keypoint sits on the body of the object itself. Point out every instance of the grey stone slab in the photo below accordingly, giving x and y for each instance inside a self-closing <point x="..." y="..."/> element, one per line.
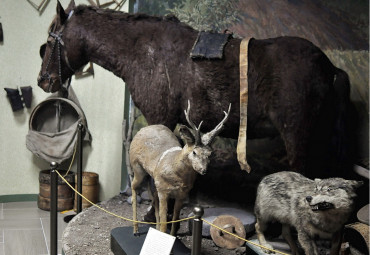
<point x="20" y="205"/>
<point x="21" y="223"/>
<point x="30" y="242"/>
<point x="277" y="244"/>
<point x="23" y="213"/>
<point x="60" y="247"/>
<point x="210" y="214"/>
<point x="46" y="226"/>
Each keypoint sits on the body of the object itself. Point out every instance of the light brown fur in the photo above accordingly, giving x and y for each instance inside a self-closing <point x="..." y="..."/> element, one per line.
<point x="155" y="151"/>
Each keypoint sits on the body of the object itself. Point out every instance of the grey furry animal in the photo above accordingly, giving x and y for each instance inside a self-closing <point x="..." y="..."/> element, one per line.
<point x="315" y="208"/>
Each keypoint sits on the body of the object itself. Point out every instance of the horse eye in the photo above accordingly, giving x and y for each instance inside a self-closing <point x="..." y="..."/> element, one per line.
<point x="42" y="50"/>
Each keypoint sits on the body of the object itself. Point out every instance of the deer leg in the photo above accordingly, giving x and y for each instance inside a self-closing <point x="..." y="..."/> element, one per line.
<point x="163" y="200"/>
<point x="155" y="202"/>
<point x="176" y="215"/>
<point x="156" y="211"/>
<point x="138" y="178"/>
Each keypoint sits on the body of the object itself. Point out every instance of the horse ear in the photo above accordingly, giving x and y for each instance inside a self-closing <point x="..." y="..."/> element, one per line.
<point x="61" y="14"/>
<point x="71" y="6"/>
<point x="42" y="50"/>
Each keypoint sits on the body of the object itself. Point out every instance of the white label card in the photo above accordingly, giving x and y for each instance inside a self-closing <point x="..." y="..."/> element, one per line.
<point x="157" y="243"/>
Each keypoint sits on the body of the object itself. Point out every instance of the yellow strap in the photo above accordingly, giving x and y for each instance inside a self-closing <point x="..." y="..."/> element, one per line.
<point x="241" y="148"/>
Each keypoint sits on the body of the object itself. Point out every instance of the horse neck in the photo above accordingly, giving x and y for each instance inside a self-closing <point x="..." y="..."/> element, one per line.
<point x="120" y="46"/>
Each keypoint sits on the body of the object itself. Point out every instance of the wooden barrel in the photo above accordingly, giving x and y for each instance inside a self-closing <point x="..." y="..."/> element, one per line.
<point x="90" y="189"/>
<point x="65" y="193"/>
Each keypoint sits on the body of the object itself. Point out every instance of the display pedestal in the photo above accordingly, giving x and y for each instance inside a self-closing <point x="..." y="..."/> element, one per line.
<point x="123" y="242"/>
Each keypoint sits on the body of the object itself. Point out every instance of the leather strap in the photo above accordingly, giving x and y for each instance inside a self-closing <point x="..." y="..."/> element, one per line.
<point x="242" y="139"/>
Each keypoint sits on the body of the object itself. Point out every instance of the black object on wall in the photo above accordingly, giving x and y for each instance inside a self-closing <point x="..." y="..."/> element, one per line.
<point x="27" y="95"/>
<point x="16" y="99"/>
<point x="1" y="33"/>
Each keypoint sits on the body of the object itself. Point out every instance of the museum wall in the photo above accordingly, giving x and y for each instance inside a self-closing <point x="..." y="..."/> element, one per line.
<point x="101" y="97"/>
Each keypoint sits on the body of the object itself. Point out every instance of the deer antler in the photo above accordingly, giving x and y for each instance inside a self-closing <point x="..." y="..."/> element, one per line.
<point x="195" y="129"/>
<point x="207" y="138"/>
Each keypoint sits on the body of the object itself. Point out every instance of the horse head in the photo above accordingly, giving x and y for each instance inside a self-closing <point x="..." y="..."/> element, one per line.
<point x="60" y="55"/>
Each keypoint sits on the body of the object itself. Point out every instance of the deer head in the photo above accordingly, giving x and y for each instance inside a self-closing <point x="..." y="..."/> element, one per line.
<point x="197" y="146"/>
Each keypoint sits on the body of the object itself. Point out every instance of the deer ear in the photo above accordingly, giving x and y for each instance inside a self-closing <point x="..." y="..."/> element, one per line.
<point x="61" y="14"/>
<point x="186" y="135"/>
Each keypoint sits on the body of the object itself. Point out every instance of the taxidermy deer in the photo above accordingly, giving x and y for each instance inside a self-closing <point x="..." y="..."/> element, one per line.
<point x="156" y="151"/>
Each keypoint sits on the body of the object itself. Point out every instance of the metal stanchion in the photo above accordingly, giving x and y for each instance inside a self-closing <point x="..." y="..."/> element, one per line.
<point x="53" y="209"/>
<point x="197" y="230"/>
<point x="79" y="168"/>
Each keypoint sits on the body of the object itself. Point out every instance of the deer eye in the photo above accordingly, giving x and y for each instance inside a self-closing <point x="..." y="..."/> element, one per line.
<point x="328" y="189"/>
<point x="194" y="153"/>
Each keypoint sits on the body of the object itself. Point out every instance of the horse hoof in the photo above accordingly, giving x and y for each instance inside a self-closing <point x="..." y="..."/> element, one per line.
<point x="137" y="234"/>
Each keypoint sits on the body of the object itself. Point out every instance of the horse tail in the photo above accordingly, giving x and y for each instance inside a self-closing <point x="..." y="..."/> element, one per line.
<point x="342" y="148"/>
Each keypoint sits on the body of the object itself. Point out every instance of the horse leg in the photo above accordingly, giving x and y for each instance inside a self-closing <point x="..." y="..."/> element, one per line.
<point x="294" y="131"/>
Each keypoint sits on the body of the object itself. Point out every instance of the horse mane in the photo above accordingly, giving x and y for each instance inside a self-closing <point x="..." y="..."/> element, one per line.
<point x="80" y="9"/>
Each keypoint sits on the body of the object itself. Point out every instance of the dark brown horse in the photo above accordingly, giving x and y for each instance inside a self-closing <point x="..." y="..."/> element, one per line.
<point x="294" y="90"/>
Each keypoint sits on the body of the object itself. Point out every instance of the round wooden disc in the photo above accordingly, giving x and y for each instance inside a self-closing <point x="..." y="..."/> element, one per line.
<point x="363" y="214"/>
<point x="231" y="224"/>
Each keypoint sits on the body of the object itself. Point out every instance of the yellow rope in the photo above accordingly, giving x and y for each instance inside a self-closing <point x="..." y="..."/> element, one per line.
<point x="73" y="158"/>
<point x="113" y="214"/>
<point x="154" y="223"/>
<point x="261" y="246"/>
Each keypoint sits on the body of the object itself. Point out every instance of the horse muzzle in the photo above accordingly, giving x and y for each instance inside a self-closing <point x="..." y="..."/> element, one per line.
<point x="48" y="83"/>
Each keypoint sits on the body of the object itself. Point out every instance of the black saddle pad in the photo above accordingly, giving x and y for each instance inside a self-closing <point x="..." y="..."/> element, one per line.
<point x="209" y="45"/>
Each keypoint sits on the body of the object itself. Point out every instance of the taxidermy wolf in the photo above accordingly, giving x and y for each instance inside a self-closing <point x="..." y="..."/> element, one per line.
<point x="315" y="208"/>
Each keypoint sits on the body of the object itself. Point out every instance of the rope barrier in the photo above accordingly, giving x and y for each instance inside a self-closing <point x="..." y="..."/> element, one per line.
<point x="154" y="223"/>
<point x="72" y="160"/>
<point x="116" y="215"/>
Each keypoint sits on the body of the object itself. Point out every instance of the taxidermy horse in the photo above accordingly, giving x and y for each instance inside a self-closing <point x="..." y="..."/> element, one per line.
<point x="294" y="90"/>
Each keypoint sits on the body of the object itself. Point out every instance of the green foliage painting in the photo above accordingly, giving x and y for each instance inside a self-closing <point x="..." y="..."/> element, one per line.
<point x="206" y="15"/>
<point x="215" y="15"/>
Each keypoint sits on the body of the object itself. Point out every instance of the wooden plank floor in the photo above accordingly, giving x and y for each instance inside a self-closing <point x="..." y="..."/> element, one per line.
<point x="25" y="229"/>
